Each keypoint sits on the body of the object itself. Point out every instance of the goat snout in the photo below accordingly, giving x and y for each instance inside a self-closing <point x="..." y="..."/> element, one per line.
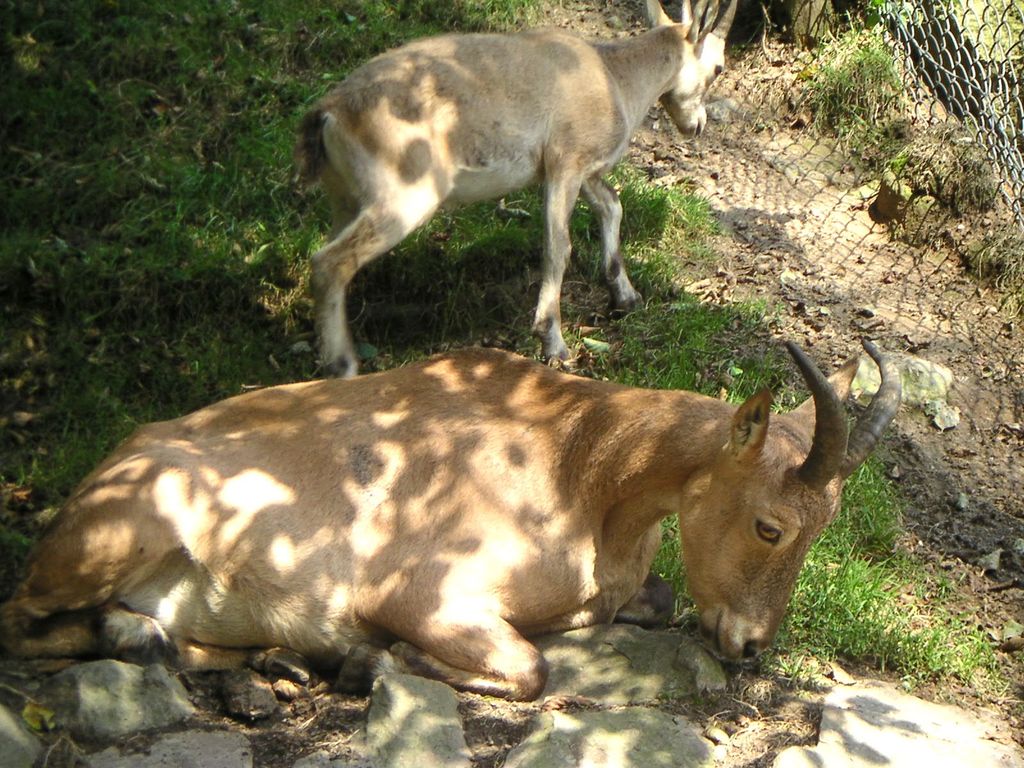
<point x="733" y="638"/>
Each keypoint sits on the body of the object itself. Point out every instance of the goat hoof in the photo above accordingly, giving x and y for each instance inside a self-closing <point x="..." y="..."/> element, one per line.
<point x="557" y="352"/>
<point x="341" y="368"/>
<point x="362" y="665"/>
<point x="626" y="304"/>
<point x="282" y="662"/>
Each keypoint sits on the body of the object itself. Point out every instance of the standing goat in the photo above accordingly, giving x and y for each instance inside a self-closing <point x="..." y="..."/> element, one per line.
<point x="462" y="118"/>
<point x="457" y="505"/>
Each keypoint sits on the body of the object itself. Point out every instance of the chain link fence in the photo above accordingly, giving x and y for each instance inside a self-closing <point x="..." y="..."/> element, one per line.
<point x="865" y="200"/>
<point x="969" y="54"/>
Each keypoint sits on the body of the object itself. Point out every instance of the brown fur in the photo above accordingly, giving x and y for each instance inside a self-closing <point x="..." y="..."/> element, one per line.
<point x="461" y="504"/>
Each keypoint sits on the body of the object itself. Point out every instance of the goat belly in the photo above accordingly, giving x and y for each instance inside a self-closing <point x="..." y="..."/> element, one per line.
<point x="492" y="181"/>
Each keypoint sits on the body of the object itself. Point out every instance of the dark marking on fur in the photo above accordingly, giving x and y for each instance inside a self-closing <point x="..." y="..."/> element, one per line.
<point x="366" y="466"/>
<point x="415" y="161"/>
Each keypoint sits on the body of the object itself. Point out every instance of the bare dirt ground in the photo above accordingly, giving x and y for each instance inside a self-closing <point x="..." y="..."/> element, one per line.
<point x="797" y="233"/>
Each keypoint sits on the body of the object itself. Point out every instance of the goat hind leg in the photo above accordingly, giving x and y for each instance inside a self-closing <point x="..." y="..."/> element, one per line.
<point x="373" y="232"/>
<point x="604" y="202"/>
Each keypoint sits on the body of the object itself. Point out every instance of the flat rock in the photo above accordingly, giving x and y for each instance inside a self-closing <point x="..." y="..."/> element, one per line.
<point x="922" y="380"/>
<point x="18" y="746"/>
<point x="415" y="721"/>
<point x="625" y="738"/>
<point x="322" y="759"/>
<point x="104" y="700"/>
<point x="865" y="726"/>
<point x="622" y="664"/>
<point x="186" y="749"/>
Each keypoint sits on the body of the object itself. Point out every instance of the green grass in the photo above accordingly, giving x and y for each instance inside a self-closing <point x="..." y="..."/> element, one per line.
<point x="154" y="258"/>
<point x="855" y="92"/>
<point x="860" y="597"/>
<point x="154" y="253"/>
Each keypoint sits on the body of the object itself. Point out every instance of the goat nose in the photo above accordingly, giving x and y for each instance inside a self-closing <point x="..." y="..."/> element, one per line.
<point x="751" y="649"/>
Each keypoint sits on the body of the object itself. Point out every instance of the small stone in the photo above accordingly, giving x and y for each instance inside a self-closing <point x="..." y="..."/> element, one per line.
<point x="286" y="690"/>
<point x="709" y="674"/>
<point x="247" y="696"/>
<point x="944" y="416"/>
<point x="963" y="502"/>
<point x="1018" y="546"/>
<point x="840" y="675"/>
<point x="1011" y="629"/>
<point x="415" y="721"/>
<point x="717" y="735"/>
<point x="724" y="110"/>
<point x="107" y="699"/>
<point x="991" y="561"/>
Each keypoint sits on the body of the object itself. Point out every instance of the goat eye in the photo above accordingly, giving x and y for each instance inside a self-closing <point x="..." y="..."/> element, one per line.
<point x="769" y="533"/>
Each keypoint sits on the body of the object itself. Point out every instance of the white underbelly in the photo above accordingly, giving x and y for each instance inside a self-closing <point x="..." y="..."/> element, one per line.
<point x="189" y="603"/>
<point x="475" y="184"/>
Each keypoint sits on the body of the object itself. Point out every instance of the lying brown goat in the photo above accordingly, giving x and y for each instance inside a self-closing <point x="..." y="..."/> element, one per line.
<point x="459" y="505"/>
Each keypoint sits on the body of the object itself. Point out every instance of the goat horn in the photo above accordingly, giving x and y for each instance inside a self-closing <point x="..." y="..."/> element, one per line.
<point x="828" y="449"/>
<point x="879" y="414"/>
<point x="700" y="27"/>
<point x="725" y="19"/>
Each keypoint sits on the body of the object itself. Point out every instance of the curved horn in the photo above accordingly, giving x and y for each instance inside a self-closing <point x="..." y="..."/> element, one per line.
<point x="724" y="23"/>
<point x="828" y="449"/>
<point x="879" y="414"/>
<point x="698" y="19"/>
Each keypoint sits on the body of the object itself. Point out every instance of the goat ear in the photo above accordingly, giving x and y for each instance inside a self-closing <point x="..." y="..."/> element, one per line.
<point x="750" y="426"/>
<point x="841" y="382"/>
<point x="656" y="16"/>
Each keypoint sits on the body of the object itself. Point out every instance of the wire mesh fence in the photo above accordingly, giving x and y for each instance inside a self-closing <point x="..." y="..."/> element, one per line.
<point x="800" y="205"/>
<point x="969" y="54"/>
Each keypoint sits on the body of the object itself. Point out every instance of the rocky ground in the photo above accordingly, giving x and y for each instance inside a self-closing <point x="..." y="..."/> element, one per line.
<point x="797" y="231"/>
<point x="618" y="697"/>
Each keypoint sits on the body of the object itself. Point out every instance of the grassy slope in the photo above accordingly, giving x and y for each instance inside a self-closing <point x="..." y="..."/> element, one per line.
<point x="153" y="258"/>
